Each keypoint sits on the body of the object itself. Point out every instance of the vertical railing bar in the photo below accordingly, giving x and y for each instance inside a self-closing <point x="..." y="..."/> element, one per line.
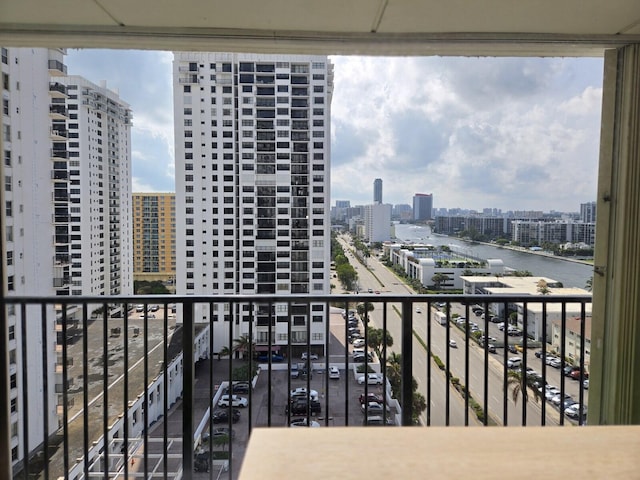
<point x="230" y="385"/>
<point x="384" y="362"/>
<point x="583" y="320"/>
<point x="327" y="313"/>
<point x="485" y="397"/>
<point x="252" y="307"/>
<point x="505" y="373"/>
<point x="289" y="361"/>
<point x="346" y="363"/>
<point x="563" y="338"/>
<point x="407" y="363"/>
<point x="25" y="389"/>
<point x="105" y="391"/>
<point x="165" y="395"/>
<point x="523" y="367"/>
<point x="125" y="392"/>
<point x="447" y="389"/>
<point x="85" y="388"/>
<point x="309" y="369"/>
<point x="65" y="390"/>
<point x="45" y="391"/>
<point x="467" y="377"/>
<point x="429" y="358"/>
<point x="543" y="356"/>
<point x="270" y="363"/>
<point x="365" y="326"/>
<point x="211" y="385"/>
<point x="145" y="367"/>
<point x="188" y="388"/>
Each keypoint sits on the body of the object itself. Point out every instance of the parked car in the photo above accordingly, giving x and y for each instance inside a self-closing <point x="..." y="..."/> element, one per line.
<point x="371" y="397"/>
<point x="222" y="416"/>
<point x="557" y="400"/>
<point x="551" y="392"/>
<point x="418" y="310"/>
<point x="512" y="348"/>
<point x="217" y="433"/>
<point x="303" y="392"/>
<point x="298" y="406"/>
<point x="452" y="343"/>
<point x="569" y="369"/>
<point x="334" y="373"/>
<point x="264" y="357"/>
<point x="309" y="356"/>
<point x="555" y="362"/>
<point x="492" y="348"/>
<point x="302" y="422"/>
<point x="358" y="342"/>
<point x="239" y="387"/>
<point x="585" y="384"/>
<point x="575" y="374"/>
<point x="374" y="408"/>
<point x="573" y="411"/>
<point x="372" y="379"/>
<point x="233" y="400"/>
<point x="373" y="419"/>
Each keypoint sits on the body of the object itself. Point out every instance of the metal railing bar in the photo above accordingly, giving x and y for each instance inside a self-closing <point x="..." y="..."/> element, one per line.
<point x="25" y="388"/>
<point x="125" y="391"/>
<point x="105" y="390"/>
<point x="188" y="388"/>
<point x="45" y="392"/>
<point x="407" y="370"/>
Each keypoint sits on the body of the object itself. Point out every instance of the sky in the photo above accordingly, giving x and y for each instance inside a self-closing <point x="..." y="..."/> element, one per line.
<point x="507" y="133"/>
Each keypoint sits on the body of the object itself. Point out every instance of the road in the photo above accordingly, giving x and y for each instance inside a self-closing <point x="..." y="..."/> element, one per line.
<point x="439" y="387"/>
<point x="379" y="278"/>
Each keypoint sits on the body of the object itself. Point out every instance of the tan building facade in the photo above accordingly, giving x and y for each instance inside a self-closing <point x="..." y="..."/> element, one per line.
<point x="154" y="236"/>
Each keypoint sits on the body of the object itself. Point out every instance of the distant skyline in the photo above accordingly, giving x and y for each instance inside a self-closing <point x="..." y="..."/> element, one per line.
<point x="508" y="133"/>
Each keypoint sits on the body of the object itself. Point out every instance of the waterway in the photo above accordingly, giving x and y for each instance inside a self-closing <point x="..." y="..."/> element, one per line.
<point x="571" y="274"/>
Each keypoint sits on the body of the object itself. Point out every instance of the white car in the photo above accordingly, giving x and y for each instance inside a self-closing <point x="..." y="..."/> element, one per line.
<point x="309" y="356"/>
<point x="303" y="392"/>
<point x="302" y="422"/>
<point x="358" y="342"/>
<point x="334" y="373"/>
<point x="453" y="344"/>
<point x="235" y="401"/>
<point x="514" y="362"/>
<point x="418" y="310"/>
<point x="372" y="379"/>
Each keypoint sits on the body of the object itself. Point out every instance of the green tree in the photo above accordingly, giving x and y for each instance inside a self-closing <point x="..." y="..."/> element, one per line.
<point x="221" y="441"/>
<point x="243" y="345"/>
<point x="520" y="384"/>
<point x="377" y="337"/>
<point x="438" y="279"/>
<point x="144" y="287"/>
<point x="522" y="273"/>
<point x="419" y="406"/>
<point x="361" y="308"/>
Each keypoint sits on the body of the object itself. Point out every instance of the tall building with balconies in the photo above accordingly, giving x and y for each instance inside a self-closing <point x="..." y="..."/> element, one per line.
<point x="67" y="173"/>
<point x="154" y="236"/>
<point x="35" y="240"/>
<point x="99" y="169"/>
<point x="252" y="189"/>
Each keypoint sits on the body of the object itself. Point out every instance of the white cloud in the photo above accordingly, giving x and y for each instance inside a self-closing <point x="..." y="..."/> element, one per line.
<point x="517" y="133"/>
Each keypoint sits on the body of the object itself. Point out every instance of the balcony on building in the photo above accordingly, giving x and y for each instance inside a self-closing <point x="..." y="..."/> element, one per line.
<point x="57" y="68"/>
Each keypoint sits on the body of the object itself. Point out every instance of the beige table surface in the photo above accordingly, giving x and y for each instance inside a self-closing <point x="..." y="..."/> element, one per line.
<point x="540" y="453"/>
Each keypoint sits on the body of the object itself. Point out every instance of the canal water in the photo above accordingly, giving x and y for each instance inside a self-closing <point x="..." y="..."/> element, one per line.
<point x="571" y="274"/>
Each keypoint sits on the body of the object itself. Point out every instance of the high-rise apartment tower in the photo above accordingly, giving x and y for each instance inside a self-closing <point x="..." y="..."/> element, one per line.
<point x="252" y="187"/>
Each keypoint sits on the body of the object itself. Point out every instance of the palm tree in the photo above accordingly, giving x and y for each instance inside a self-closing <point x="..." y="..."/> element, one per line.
<point x="243" y="344"/>
<point x="517" y="382"/>
<point x="224" y="352"/>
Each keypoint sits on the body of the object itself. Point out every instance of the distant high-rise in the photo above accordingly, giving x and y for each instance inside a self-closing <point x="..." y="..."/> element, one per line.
<point x="422" y="206"/>
<point x="377" y="190"/>
<point x="252" y="136"/>
<point x="154" y="238"/>
<point x="377" y="222"/>
<point x="588" y="212"/>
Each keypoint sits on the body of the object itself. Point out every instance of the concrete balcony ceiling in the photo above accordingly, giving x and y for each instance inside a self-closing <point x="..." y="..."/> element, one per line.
<point x="382" y="27"/>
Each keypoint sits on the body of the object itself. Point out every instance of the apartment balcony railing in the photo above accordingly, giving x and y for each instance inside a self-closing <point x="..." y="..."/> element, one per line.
<point x="135" y="406"/>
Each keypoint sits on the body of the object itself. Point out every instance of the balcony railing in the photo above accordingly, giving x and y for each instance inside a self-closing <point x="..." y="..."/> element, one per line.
<point x="145" y="370"/>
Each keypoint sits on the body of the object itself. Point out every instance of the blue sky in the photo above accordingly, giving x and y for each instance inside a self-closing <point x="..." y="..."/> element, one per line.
<point x="510" y="133"/>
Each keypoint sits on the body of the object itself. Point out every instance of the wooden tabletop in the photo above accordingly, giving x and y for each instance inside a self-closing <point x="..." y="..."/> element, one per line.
<point x="401" y="453"/>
